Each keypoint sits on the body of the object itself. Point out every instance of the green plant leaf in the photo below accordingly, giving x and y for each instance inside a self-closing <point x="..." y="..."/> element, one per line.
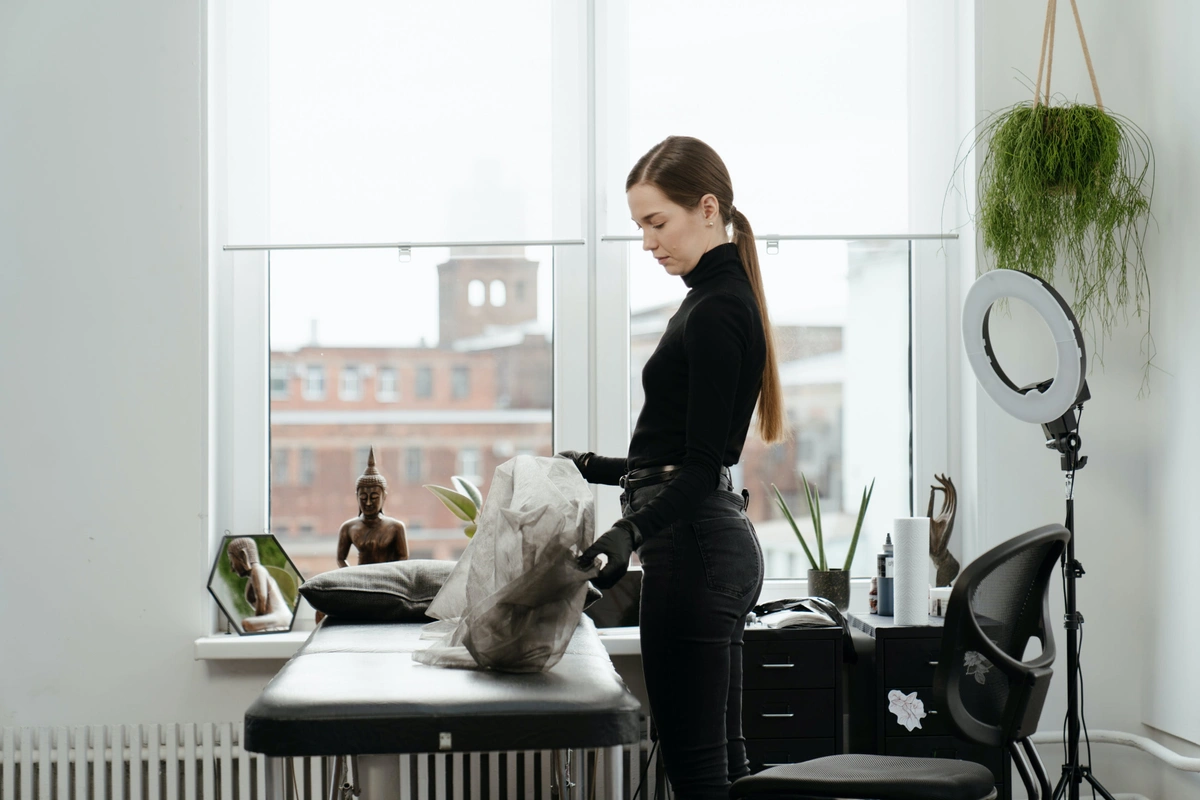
<point x="862" y="513"/>
<point x="1064" y="193"/>
<point x="469" y="489"/>
<point x="459" y="504"/>
<point x="814" y="511"/>
<point x="470" y="531"/>
<point x="796" y="528"/>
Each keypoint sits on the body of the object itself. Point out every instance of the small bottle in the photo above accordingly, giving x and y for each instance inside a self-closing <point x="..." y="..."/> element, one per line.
<point x="886" y="568"/>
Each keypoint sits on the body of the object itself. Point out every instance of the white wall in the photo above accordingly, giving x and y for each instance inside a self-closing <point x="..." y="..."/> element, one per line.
<point x="1133" y="507"/>
<point x="1172" y="696"/>
<point x="102" y="309"/>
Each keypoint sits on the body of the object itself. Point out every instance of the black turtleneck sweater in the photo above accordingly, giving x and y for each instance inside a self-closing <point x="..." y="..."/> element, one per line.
<point x="701" y="385"/>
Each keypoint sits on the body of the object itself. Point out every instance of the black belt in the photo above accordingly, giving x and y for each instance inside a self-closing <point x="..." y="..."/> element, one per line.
<point x="649" y="476"/>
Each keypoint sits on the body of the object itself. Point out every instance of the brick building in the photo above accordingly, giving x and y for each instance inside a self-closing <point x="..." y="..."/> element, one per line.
<point x="478" y="397"/>
<point x="483" y="394"/>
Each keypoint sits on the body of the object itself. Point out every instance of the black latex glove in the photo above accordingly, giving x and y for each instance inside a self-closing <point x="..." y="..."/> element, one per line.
<point x="579" y="459"/>
<point x="617" y="544"/>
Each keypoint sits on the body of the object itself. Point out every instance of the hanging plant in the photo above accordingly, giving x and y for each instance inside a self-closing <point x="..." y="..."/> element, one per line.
<point x="1064" y="192"/>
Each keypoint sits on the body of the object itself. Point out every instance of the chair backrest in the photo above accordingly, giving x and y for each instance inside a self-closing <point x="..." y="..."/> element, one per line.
<point x="998" y="604"/>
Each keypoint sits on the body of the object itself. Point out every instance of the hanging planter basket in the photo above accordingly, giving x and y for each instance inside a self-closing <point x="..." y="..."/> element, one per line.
<point x="1064" y="193"/>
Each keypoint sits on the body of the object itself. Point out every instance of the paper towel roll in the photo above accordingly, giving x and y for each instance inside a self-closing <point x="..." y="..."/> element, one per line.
<point x="910" y="536"/>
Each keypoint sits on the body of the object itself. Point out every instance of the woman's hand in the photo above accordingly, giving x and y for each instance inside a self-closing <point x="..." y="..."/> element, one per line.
<point x="580" y="460"/>
<point x="617" y="546"/>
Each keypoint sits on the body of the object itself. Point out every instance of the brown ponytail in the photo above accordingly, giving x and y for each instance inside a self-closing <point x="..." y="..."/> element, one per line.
<point x="685" y="169"/>
<point x="771" y="414"/>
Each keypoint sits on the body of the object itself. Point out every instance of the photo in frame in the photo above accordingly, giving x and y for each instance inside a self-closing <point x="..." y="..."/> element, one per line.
<point x="255" y="584"/>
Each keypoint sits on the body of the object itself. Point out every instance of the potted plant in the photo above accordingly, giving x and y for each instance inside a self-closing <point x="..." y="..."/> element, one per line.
<point x="463" y="503"/>
<point x="832" y="584"/>
<point x="1064" y="192"/>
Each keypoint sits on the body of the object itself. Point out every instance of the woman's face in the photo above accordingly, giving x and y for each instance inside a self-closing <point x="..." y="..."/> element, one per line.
<point x="674" y="235"/>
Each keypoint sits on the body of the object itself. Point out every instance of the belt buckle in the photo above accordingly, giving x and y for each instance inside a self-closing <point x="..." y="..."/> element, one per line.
<point x="621" y="481"/>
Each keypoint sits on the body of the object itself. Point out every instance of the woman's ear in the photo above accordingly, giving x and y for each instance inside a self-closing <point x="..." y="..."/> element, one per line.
<point x="710" y="207"/>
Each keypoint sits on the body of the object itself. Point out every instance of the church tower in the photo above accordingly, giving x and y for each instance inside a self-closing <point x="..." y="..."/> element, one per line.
<point x="484" y="287"/>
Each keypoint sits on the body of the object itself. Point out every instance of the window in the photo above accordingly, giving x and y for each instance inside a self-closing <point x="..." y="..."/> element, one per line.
<point x="476" y="293"/>
<point x="281" y="378"/>
<point x="423" y="387"/>
<point x="308" y="466"/>
<point x="280" y="472"/>
<point x="460" y="382"/>
<point x="840" y="314"/>
<point x="358" y="462"/>
<point x="414" y="462"/>
<point x="840" y="308"/>
<point x="314" y="382"/>
<point x="497" y="293"/>
<point x="556" y="334"/>
<point x="470" y="465"/>
<point x="350" y="383"/>
<point x="387" y="385"/>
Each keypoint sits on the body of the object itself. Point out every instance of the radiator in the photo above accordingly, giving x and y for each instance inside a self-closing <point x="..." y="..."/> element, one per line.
<point x="204" y="761"/>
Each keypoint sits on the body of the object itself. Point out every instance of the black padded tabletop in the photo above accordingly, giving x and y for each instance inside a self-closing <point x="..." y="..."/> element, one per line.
<point x="353" y="689"/>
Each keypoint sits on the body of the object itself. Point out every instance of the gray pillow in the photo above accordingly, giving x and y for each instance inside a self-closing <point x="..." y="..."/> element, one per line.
<point x="395" y="591"/>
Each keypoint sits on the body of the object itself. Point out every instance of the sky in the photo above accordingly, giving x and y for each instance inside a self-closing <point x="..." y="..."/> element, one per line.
<point x="438" y="121"/>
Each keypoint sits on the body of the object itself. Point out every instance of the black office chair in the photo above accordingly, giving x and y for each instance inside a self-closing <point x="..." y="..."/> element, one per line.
<point x="992" y="696"/>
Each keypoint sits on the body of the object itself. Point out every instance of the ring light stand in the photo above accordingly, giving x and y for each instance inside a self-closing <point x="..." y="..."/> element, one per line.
<point x="1054" y="404"/>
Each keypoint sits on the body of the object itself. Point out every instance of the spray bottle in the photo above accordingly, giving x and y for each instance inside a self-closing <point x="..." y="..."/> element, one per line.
<point x="885" y="567"/>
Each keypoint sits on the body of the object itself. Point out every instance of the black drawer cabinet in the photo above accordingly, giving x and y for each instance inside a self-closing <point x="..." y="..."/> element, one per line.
<point x="903" y="659"/>
<point x="791" y="694"/>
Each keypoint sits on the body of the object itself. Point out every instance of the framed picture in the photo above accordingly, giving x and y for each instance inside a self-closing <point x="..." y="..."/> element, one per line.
<point x="255" y="584"/>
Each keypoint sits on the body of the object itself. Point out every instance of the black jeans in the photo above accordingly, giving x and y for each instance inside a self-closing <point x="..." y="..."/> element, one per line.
<point x="699" y="581"/>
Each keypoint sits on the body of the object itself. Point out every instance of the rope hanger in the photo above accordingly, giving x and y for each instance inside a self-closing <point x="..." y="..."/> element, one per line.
<point x="1046" y="59"/>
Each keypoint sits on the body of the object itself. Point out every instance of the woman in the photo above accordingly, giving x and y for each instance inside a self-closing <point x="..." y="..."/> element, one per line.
<point x="702" y="565"/>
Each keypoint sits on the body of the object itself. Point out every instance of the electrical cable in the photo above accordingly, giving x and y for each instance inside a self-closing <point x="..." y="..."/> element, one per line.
<point x="1066" y="714"/>
<point x="1079" y="624"/>
<point x="1082" y="704"/>
<point x="645" y="771"/>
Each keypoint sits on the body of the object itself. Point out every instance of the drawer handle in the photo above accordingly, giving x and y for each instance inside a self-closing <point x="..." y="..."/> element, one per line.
<point x="930" y="711"/>
<point x="779" y="764"/>
<point x="777" y="716"/>
<point x="933" y="663"/>
<point x="778" y="666"/>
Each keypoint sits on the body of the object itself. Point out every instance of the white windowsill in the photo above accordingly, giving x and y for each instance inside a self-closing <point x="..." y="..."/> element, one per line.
<point x="617" y="641"/>
<point x="230" y="646"/>
<point x="282" y="646"/>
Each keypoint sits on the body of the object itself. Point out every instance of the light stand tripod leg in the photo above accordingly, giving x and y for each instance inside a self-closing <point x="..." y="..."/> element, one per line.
<point x="1073" y="774"/>
<point x="1096" y="787"/>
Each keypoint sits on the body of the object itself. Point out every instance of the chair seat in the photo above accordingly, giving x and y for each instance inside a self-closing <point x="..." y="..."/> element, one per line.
<point x="870" y="777"/>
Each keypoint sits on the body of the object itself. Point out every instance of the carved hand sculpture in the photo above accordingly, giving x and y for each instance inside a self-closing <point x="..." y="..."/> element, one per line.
<point x="940" y="528"/>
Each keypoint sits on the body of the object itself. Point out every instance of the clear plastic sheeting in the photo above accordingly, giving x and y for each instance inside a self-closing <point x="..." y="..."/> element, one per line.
<point x="516" y="596"/>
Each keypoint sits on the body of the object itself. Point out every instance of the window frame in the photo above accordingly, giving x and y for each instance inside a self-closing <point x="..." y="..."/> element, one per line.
<point x="590" y="282"/>
<point x="355" y="372"/>
<point x="391" y="395"/>
<point x="306" y="382"/>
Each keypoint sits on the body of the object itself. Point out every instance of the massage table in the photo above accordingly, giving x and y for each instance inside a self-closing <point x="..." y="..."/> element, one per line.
<point x="353" y="689"/>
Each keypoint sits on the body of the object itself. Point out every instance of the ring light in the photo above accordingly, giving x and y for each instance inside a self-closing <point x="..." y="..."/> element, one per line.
<point x="1029" y="404"/>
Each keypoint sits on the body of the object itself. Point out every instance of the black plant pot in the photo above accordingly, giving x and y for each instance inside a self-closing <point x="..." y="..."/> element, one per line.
<point x="832" y="584"/>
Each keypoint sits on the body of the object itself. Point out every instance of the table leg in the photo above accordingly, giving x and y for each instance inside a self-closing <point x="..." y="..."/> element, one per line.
<point x="379" y="776"/>
<point x="615" y="756"/>
<point x="337" y="776"/>
<point x="578" y="772"/>
<point x="275" y="778"/>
